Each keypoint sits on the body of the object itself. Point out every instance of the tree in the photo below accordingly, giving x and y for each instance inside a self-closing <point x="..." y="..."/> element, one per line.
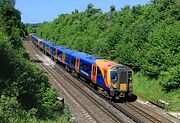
<point x="92" y="11"/>
<point x="112" y="8"/>
<point x="170" y="80"/>
<point x="22" y="85"/>
<point x="9" y="2"/>
<point x="75" y="11"/>
<point x="10" y="20"/>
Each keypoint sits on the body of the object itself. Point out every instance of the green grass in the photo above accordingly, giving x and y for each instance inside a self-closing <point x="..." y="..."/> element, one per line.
<point x="151" y="90"/>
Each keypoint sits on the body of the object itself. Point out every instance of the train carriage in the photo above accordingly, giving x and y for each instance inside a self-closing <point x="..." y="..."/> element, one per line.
<point x="47" y="47"/>
<point x="82" y="63"/>
<point x="57" y="52"/>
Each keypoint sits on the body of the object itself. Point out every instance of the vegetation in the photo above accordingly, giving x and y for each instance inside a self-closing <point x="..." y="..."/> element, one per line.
<point x="25" y="93"/>
<point x="145" y="38"/>
<point x="31" y="28"/>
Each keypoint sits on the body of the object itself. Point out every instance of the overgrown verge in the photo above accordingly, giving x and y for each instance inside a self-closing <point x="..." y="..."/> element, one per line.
<point x="145" y="38"/>
<point x="25" y="93"/>
<point x="150" y="89"/>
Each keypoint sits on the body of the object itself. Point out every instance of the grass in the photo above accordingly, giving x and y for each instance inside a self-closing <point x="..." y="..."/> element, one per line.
<point x="151" y="90"/>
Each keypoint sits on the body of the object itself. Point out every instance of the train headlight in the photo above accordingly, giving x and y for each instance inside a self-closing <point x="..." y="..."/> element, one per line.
<point x="113" y="85"/>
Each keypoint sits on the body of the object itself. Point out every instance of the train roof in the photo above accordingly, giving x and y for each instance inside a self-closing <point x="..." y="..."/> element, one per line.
<point x="86" y="57"/>
<point x="69" y="51"/>
<point x="35" y="37"/>
<point x="65" y="49"/>
<point x="48" y="43"/>
<point x="59" y="47"/>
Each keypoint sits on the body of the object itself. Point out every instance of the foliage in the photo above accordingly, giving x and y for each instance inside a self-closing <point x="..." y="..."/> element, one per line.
<point x="31" y="28"/>
<point x="151" y="89"/>
<point x="171" y="79"/>
<point x="11" y="111"/>
<point x="25" y="93"/>
<point x="145" y="38"/>
<point x="9" y="2"/>
<point x="10" y="21"/>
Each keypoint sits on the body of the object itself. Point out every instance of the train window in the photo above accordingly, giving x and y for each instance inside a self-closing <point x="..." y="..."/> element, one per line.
<point x="73" y="61"/>
<point x="66" y="57"/>
<point x="123" y="77"/>
<point x="81" y="65"/>
<point x="114" y="69"/>
<point x="114" y="77"/>
<point x="51" y="49"/>
<point x="105" y="72"/>
<point x="44" y="46"/>
<point x="98" y="73"/>
<point x="130" y="76"/>
<point x="60" y="55"/>
<point x="85" y="67"/>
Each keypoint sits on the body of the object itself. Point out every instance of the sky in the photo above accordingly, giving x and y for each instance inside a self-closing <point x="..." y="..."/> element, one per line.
<point x="37" y="11"/>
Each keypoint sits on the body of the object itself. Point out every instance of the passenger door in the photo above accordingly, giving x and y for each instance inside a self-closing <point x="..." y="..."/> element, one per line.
<point x="123" y="80"/>
<point x="63" y="57"/>
<point x="56" y="53"/>
<point x="94" y="73"/>
<point x="77" y="65"/>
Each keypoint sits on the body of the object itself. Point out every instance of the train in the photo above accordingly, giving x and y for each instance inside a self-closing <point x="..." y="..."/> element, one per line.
<point x="111" y="78"/>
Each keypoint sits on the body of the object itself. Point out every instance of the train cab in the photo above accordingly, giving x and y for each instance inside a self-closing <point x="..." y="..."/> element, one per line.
<point x="121" y="80"/>
<point x="117" y="78"/>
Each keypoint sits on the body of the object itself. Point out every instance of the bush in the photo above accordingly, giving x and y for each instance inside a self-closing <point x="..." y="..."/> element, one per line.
<point x="25" y="91"/>
<point x="170" y="80"/>
<point x="156" y="60"/>
<point x="11" y="111"/>
<point x="48" y="104"/>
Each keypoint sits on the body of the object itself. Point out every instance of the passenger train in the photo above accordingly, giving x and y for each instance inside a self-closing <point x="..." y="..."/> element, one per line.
<point x="110" y="77"/>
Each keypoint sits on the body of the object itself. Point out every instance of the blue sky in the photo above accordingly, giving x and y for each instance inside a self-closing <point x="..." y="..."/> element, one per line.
<point x="35" y="11"/>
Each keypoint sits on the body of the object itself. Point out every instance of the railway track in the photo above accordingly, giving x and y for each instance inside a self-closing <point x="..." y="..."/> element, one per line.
<point x="143" y="115"/>
<point x="131" y="109"/>
<point x="136" y="111"/>
<point x="94" y="109"/>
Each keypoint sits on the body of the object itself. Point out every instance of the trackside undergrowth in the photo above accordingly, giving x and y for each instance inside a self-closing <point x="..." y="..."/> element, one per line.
<point x="150" y="89"/>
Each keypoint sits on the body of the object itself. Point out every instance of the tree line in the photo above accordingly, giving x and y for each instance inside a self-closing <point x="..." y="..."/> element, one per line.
<point x="25" y="92"/>
<point x="143" y="37"/>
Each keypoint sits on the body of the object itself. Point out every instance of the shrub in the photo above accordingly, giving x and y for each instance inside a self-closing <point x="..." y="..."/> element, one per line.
<point x="170" y="80"/>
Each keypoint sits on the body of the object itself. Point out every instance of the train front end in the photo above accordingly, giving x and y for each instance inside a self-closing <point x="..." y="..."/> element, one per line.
<point x="121" y="81"/>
